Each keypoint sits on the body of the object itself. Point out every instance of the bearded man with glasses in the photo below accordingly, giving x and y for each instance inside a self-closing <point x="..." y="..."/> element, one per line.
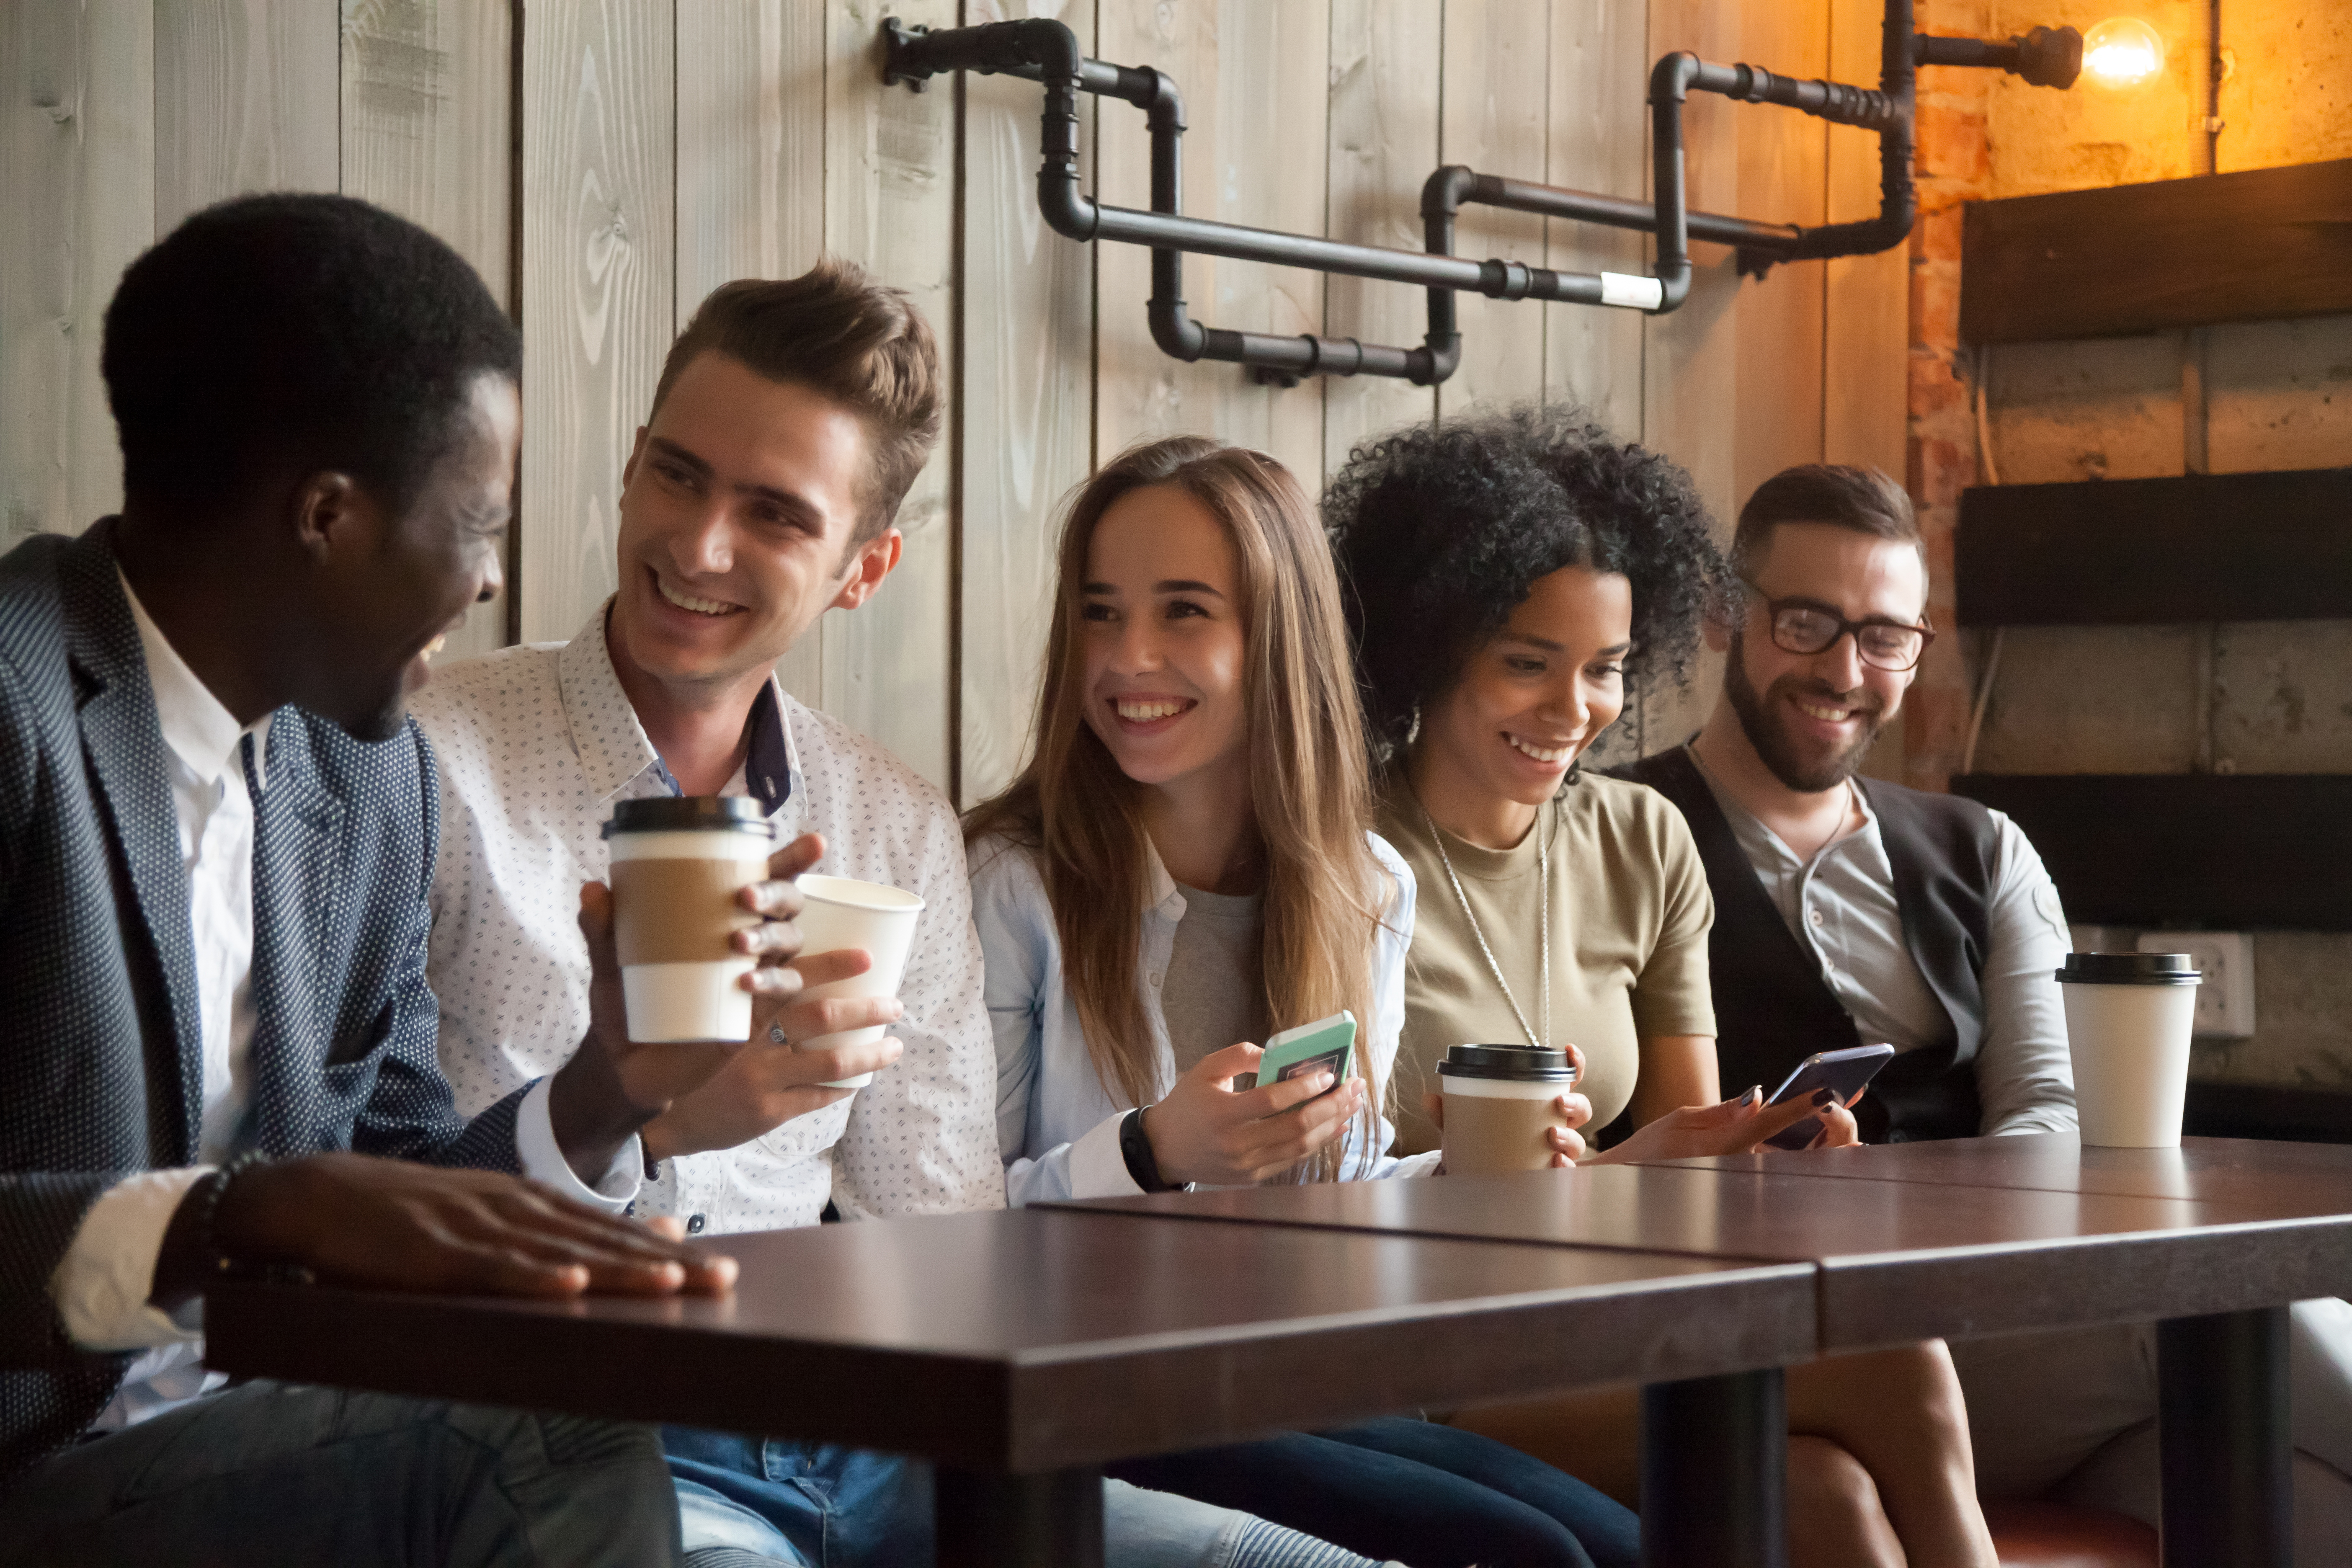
<point x="1851" y="911"/>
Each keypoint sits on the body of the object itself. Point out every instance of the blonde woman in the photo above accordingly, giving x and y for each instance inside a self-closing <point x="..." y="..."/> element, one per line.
<point x="1183" y="868"/>
<point x="1505" y="574"/>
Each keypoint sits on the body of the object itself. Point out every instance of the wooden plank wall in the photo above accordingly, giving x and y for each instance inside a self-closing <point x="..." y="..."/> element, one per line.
<point x="606" y="163"/>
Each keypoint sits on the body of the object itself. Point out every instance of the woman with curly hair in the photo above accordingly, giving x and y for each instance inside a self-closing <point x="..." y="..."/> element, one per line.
<point x="1185" y="865"/>
<point x="1502" y="576"/>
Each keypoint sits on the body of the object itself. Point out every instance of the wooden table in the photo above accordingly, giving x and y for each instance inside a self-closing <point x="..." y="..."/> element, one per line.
<point x="1022" y="1351"/>
<point x="1970" y="1237"/>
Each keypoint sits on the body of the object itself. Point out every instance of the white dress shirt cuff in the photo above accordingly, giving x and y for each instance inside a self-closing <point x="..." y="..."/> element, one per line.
<point x="102" y="1283"/>
<point x="543" y="1161"/>
<point x="1098" y="1167"/>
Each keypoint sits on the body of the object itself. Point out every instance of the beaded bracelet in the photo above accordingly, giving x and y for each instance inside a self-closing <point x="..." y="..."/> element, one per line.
<point x="206" y="1199"/>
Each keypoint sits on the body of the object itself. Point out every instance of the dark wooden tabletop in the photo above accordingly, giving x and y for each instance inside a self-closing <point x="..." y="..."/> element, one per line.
<point x="1900" y="1259"/>
<point x="2257" y="1177"/>
<point x="1037" y="1339"/>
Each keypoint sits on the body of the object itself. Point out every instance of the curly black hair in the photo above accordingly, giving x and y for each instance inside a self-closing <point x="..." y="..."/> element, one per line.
<point x="1439" y="531"/>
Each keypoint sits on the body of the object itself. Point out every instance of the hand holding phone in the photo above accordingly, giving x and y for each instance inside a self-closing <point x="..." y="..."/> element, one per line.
<point x="1224" y="1124"/>
<point x="1846" y="1071"/>
<point x="1325" y="1045"/>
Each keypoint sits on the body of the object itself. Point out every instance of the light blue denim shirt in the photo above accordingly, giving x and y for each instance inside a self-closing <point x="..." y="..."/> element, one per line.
<point x="1056" y="1124"/>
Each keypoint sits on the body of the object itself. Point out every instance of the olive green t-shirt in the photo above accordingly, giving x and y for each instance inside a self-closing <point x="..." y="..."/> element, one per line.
<point x="1630" y="914"/>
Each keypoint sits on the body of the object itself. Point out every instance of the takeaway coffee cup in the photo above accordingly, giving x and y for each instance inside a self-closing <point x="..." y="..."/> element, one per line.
<point x="677" y="864"/>
<point x="838" y="912"/>
<point x="2127" y="1024"/>
<point x="1499" y="1107"/>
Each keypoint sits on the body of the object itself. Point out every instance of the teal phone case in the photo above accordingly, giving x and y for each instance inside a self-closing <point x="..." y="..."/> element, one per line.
<point x="1327" y="1042"/>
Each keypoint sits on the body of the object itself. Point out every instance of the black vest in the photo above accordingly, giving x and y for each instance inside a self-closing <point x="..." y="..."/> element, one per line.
<point x="1772" y="1009"/>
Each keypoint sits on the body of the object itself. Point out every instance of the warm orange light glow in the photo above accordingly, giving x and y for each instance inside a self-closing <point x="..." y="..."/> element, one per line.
<point x="2122" y="51"/>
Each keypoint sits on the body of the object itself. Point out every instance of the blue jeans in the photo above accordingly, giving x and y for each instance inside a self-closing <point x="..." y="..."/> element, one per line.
<point x="268" y="1473"/>
<point x="1426" y="1493"/>
<point x="813" y="1505"/>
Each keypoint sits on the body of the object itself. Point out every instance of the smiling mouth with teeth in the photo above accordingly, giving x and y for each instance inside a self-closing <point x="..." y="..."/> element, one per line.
<point x="688" y="602"/>
<point x="437" y="644"/>
<point x="1549" y="754"/>
<point x="1144" y="711"/>
<point x="1827" y="715"/>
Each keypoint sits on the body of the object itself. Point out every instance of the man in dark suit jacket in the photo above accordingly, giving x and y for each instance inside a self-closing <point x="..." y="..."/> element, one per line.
<point x="216" y="835"/>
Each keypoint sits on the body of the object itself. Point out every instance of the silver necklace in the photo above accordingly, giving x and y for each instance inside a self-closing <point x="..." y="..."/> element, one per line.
<point x="1543" y="924"/>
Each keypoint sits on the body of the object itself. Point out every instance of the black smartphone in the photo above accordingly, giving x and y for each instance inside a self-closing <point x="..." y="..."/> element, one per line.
<point x="1846" y="1071"/>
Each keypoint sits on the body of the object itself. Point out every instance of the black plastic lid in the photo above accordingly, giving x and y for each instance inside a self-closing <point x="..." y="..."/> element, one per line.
<point x="2130" y="968"/>
<point x="1519" y="1064"/>
<point x="687" y="813"/>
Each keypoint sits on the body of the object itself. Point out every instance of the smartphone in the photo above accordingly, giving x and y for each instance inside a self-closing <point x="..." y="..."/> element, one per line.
<point x="1327" y="1042"/>
<point x="1846" y="1071"/>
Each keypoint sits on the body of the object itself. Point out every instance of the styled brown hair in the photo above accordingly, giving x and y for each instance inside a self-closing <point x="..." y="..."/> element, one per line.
<point x="1861" y="500"/>
<point x="836" y="331"/>
<point x="1310" y="788"/>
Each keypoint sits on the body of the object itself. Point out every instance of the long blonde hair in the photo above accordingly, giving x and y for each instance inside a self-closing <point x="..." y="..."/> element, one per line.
<point x="1082" y="817"/>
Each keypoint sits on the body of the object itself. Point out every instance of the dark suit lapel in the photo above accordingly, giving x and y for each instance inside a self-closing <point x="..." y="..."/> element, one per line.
<point x="129" y="770"/>
<point x="299" y="912"/>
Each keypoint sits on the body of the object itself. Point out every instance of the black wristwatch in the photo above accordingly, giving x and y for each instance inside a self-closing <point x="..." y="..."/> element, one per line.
<point x="1140" y="1163"/>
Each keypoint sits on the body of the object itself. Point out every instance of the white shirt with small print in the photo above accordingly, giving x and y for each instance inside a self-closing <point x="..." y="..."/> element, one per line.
<point x="536" y="744"/>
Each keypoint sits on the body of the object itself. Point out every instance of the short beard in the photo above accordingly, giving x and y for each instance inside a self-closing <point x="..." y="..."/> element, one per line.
<point x="1761" y="720"/>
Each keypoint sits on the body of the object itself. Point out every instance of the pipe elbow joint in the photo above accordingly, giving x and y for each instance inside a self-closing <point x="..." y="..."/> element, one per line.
<point x="1442" y="193"/>
<point x="1043" y="42"/>
<point x="1671" y="78"/>
<point x="1066" y="211"/>
<point x="1439" y="356"/>
<point x="1178" y="335"/>
<point x="1163" y="107"/>
<point x="1674" y="287"/>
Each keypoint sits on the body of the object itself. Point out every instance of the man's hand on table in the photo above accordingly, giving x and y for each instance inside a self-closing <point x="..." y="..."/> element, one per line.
<point x="1734" y="1127"/>
<point x="352" y="1219"/>
<point x="768" y="1082"/>
<point x="614" y="1086"/>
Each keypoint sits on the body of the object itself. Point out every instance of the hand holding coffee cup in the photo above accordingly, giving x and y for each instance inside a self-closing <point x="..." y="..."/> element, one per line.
<point x="840" y="914"/>
<point x="686" y="934"/>
<point x="767" y="1084"/>
<point x="1509" y="1107"/>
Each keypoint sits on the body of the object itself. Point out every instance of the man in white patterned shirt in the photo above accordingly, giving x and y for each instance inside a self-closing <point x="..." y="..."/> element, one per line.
<point x="789" y="420"/>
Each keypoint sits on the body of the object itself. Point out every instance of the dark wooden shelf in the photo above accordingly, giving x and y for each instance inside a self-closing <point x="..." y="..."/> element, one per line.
<point x="2268" y="1111"/>
<point x="2263" y="245"/>
<point x="2227" y="852"/>
<point x="2204" y="547"/>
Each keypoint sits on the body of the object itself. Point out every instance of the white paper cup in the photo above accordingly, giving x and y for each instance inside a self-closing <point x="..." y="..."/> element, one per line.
<point x="838" y="912"/>
<point x="2128" y="1019"/>
<point x="677" y="865"/>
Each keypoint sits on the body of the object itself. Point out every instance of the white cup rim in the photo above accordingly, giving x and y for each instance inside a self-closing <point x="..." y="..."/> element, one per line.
<point x="850" y="893"/>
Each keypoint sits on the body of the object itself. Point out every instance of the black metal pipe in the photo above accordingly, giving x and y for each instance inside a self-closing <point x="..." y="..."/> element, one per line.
<point x="1047" y="52"/>
<point x="1619" y="212"/>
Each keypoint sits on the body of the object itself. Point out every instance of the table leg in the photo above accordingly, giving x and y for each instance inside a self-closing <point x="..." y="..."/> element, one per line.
<point x="986" y="1518"/>
<point x="1715" y="1472"/>
<point x="2228" y="1465"/>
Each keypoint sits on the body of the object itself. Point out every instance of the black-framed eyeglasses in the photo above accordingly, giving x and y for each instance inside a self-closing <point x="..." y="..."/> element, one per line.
<point x="1808" y="626"/>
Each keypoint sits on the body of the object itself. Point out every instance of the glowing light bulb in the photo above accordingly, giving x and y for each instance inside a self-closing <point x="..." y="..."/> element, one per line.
<point x="2122" y="51"/>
